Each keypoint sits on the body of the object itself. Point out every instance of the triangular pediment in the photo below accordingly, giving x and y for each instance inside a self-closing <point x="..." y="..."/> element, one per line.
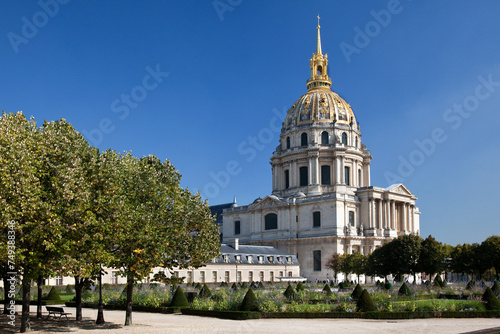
<point x="399" y="189"/>
<point x="268" y="202"/>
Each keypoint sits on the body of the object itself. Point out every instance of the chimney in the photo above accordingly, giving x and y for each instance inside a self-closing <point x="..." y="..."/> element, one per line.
<point x="236" y="244"/>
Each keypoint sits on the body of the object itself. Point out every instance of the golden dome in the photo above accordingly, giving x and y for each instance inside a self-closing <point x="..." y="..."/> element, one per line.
<point x="319" y="106"/>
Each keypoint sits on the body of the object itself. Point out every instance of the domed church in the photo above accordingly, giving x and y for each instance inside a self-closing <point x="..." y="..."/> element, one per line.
<point x="322" y="200"/>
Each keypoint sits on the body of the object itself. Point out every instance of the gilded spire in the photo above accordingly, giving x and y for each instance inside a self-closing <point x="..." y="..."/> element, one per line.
<point x="318" y="42"/>
<point x="319" y="75"/>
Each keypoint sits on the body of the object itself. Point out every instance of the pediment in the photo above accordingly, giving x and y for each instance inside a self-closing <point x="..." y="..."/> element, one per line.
<point x="399" y="189"/>
<point x="269" y="201"/>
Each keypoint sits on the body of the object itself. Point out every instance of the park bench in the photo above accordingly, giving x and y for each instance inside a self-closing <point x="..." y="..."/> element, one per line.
<point x="53" y="310"/>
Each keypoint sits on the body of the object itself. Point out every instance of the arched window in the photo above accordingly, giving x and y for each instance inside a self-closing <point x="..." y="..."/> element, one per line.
<point x="344" y="138"/>
<point x="287" y="179"/>
<point x="287" y="143"/>
<point x="271" y="221"/>
<point x="303" y="139"/>
<point x="304" y="177"/>
<point x="347" y="174"/>
<point x="324" y="138"/>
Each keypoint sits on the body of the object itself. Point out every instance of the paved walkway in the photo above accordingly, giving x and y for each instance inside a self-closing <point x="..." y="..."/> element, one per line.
<point x="176" y="323"/>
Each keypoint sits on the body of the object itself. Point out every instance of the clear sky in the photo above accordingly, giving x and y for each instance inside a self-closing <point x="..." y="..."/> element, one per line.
<point x="205" y="84"/>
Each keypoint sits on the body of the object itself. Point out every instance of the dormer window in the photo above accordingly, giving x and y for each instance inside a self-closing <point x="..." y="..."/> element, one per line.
<point x="250" y="259"/>
<point x="270" y="259"/>
<point x="261" y="259"/>
<point x="226" y="258"/>
<point x="237" y="258"/>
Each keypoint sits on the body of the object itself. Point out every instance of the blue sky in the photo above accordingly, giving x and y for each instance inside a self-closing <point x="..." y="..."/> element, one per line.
<point x="205" y="84"/>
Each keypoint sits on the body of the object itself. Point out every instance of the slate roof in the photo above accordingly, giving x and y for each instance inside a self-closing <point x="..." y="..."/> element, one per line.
<point x="269" y="254"/>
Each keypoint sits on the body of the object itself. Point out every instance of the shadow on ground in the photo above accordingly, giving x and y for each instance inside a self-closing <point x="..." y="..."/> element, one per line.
<point x="52" y="325"/>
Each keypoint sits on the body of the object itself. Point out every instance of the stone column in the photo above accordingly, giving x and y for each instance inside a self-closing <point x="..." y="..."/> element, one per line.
<point x="342" y="171"/>
<point x="393" y="215"/>
<point x="380" y="212"/>
<point x="293" y="174"/>
<point x="313" y="168"/>
<point x="338" y="179"/>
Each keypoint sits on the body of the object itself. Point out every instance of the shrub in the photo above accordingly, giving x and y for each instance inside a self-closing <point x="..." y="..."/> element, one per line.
<point x="179" y="299"/>
<point x="53" y="294"/>
<point x="365" y="303"/>
<point x="198" y="286"/>
<point x="356" y="293"/>
<point x="244" y="285"/>
<point x="404" y="290"/>
<point x="234" y="287"/>
<point x="327" y="290"/>
<point x="290" y="292"/>
<point x="205" y="292"/>
<point x="438" y="282"/>
<point x="249" y="302"/>
<point x="68" y="290"/>
<point x="470" y="285"/>
<point x="387" y="285"/>
<point x="496" y="288"/>
<point x="261" y="285"/>
<point x="300" y="287"/>
<point x="492" y="302"/>
<point x="341" y="285"/>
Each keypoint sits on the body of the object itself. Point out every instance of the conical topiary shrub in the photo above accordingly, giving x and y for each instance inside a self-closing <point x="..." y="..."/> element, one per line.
<point x="261" y="285"/>
<point x="327" y="290"/>
<point x="438" y="282"/>
<point x="290" y="292"/>
<point x="205" y="292"/>
<point x="470" y="285"/>
<point x="496" y="288"/>
<point x="249" y="303"/>
<point x="404" y="290"/>
<point x="244" y="285"/>
<point x="365" y="303"/>
<point x="492" y="302"/>
<point x="198" y="286"/>
<point x="53" y="295"/>
<point x="234" y="287"/>
<point x="179" y="299"/>
<point x="300" y="287"/>
<point x="356" y="293"/>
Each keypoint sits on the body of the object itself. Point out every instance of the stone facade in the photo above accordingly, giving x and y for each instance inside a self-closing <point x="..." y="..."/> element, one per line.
<point x="322" y="200"/>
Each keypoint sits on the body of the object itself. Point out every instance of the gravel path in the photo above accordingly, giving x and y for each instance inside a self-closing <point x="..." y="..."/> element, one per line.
<point x="176" y="323"/>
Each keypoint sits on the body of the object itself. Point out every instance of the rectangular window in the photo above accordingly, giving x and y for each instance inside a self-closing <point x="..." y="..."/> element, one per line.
<point x="114" y="277"/>
<point x="189" y="277"/>
<point x="287" y="179"/>
<point x="346" y="176"/>
<point x="317" y="260"/>
<point x="238" y="276"/>
<point x="303" y="174"/>
<point x="237" y="227"/>
<point x="226" y="277"/>
<point x="250" y="276"/>
<point x="290" y="274"/>
<point x="281" y="274"/>
<point x="351" y="218"/>
<point x="325" y="175"/>
<point x="202" y="276"/>
<point x="261" y="275"/>
<point x="316" y="219"/>
<point x="271" y="277"/>
<point x="59" y="280"/>
<point x="214" y="276"/>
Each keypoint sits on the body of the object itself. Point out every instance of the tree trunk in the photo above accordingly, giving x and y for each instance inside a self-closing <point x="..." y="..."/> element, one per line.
<point x="130" y="287"/>
<point x="6" y="287"/>
<point x="78" y="297"/>
<point x="25" y="317"/>
<point x="39" y="297"/>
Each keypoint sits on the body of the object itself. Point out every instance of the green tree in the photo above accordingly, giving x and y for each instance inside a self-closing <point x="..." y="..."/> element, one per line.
<point x="359" y="263"/>
<point x="466" y="259"/>
<point x="378" y="263"/>
<point x="158" y="223"/>
<point x="490" y="254"/>
<point x="333" y="263"/>
<point x="432" y="256"/>
<point x="346" y="264"/>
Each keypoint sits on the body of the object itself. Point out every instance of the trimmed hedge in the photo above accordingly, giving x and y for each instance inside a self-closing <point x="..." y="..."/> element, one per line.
<point x="358" y="290"/>
<point x="53" y="295"/>
<point x="233" y="315"/>
<point x="404" y="290"/>
<point x="179" y="299"/>
<point x="365" y="303"/>
<point x="289" y="292"/>
<point x="492" y="302"/>
<point x="249" y="302"/>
